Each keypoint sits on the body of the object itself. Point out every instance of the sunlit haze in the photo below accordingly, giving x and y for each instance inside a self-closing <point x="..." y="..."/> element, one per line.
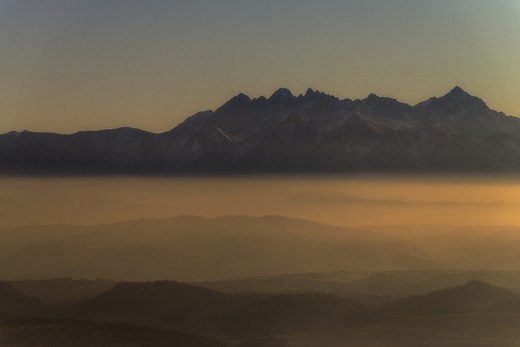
<point x="344" y="201"/>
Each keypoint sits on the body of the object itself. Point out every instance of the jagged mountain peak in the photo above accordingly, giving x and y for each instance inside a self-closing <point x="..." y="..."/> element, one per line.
<point x="456" y="100"/>
<point x="282" y="94"/>
<point x="235" y="103"/>
<point x="242" y="97"/>
<point x="372" y="97"/>
<point x="457" y="90"/>
<point x="238" y="99"/>
<point x="457" y="94"/>
<point x="316" y="95"/>
<point x="313" y="93"/>
<point x="323" y="133"/>
<point x="309" y="92"/>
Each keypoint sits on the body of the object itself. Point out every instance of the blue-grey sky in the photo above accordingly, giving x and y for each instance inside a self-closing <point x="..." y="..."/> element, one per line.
<point x="69" y="65"/>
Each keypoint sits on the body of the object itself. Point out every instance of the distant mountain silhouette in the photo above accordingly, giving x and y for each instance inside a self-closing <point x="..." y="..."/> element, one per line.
<point x="314" y="132"/>
<point x="465" y="247"/>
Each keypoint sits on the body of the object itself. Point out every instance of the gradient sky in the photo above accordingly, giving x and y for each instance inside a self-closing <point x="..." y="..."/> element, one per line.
<point x="70" y="65"/>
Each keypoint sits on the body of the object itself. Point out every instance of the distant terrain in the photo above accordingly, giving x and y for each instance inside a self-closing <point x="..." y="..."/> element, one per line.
<point x="189" y="248"/>
<point x="165" y="313"/>
<point x="63" y="291"/>
<point x="193" y="248"/>
<point x="258" y="281"/>
<point x="311" y="133"/>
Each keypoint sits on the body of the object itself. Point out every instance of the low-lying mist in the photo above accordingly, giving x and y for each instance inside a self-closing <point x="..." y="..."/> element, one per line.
<point x="124" y="228"/>
<point x="318" y="260"/>
<point x="333" y="200"/>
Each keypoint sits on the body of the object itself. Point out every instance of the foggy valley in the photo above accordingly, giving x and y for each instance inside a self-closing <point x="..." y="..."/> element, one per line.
<point x="170" y="263"/>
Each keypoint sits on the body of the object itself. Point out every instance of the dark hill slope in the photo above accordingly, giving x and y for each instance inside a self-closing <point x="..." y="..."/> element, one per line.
<point x="14" y="303"/>
<point x="63" y="290"/>
<point x="154" y="298"/>
<point x="472" y="295"/>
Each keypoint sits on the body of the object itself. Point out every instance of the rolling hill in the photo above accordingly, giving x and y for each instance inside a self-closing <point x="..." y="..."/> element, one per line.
<point x="160" y="297"/>
<point x="15" y="304"/>
<point x="467" y="297"/>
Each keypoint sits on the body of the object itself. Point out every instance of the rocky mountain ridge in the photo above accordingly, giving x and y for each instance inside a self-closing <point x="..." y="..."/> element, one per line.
<point x="284" y="133"/>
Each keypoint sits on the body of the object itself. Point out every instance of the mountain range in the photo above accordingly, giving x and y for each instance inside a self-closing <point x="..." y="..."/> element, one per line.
<point x="284" y="133"/>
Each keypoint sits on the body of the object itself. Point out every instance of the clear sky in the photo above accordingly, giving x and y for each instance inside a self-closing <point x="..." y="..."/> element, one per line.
<point x="70" y="65"/>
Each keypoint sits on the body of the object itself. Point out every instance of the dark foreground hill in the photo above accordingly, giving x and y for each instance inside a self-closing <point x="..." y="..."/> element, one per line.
<point x="160" y="297"/>
<point x="314" y="132"/>
<point x="310" y="312"/>
<point x="277" y="319"/>
<point x="472" y="295"/>
<point x="15" y="304"/>
<point x="67" y="333"/>
<point x="264" y="315"/>
<point x="291" y="313"/>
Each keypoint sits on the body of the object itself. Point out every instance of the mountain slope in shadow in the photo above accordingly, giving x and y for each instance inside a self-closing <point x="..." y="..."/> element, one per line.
<point x="467" y="297"/>
<point x="160" y="297"/>
<point x="15" y="304"/>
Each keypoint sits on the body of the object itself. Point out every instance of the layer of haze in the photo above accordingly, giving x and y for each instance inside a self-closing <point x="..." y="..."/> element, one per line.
<point x="70" y="65"/>
<point x="343" y="201"/>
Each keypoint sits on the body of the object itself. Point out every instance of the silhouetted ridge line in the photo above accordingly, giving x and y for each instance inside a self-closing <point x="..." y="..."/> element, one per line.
<point x="154" y="297"/>
<point x="314" y="132"/>
<point x="461" y="298"/>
